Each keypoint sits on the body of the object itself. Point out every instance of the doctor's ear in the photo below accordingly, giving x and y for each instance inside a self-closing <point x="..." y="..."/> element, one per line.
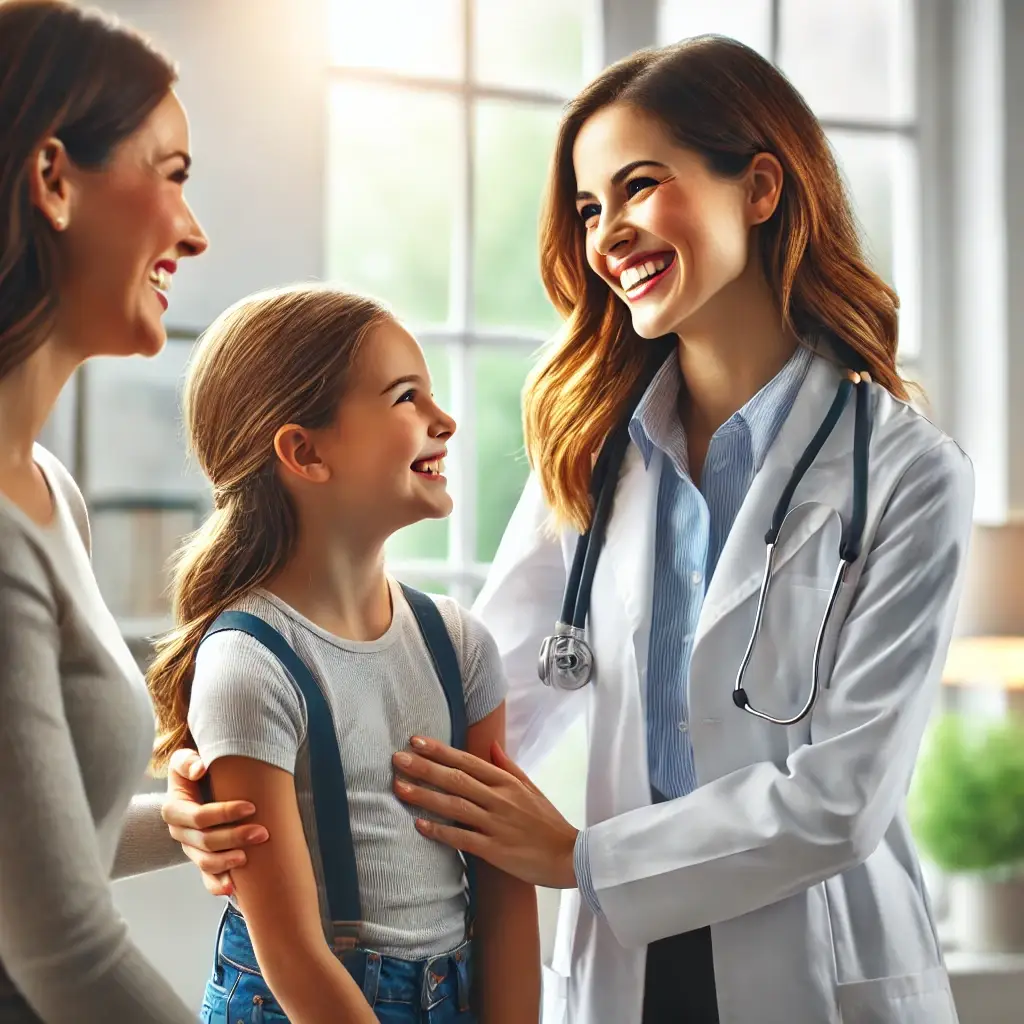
<point x="49" y="183"/>
<point x="296" y="448"/>
<point x="764" y="187"/>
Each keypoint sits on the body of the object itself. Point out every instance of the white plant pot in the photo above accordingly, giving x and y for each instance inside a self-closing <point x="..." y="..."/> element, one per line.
<point x="988" y="912"/>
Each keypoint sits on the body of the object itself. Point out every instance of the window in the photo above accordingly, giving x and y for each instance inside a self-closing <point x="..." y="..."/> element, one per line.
<point x="854" y="63"/>
<point x="442" y="117"/>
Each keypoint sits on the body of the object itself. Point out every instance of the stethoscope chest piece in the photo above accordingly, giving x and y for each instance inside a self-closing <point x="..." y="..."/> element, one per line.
<point x="566" y="661"/>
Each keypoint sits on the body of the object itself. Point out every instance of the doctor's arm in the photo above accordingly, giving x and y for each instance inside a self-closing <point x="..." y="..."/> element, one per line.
<point x="765" y="832"/>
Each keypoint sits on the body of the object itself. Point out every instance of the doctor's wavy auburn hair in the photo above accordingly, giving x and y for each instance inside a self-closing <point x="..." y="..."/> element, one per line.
<point x="723" y="100"/>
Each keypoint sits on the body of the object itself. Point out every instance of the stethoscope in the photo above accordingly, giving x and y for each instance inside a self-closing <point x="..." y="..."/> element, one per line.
<point x="567" y="660"/>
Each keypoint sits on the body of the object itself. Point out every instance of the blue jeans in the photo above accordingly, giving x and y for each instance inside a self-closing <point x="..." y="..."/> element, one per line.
<point x="434" y="991"/>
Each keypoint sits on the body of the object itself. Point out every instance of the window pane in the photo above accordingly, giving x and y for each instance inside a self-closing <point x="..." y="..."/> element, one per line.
<point x="532" y="44"/>
<point x="867" y="163"/>
<point x="850" y="60"/>
<point x="514" y="143"/>
<point x="135" y="443"/>
<point x="418" y="37"/>
<point x="749" y="21"/>
<point x="391" y="188"/>
<point x="501" y="468"/>
<point x="144" y="495"/>
<point x="429" y="538"/>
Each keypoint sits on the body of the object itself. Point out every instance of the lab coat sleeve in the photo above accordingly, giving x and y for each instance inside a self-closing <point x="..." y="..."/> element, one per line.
<point x="519" y="604"/>
<point x="765" y="832"/>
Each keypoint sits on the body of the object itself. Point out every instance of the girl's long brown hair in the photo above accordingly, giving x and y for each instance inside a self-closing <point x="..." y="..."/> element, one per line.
<point x="83" y="78"/>
<point x="275" y="358"/>
<point x="723" y="100"/>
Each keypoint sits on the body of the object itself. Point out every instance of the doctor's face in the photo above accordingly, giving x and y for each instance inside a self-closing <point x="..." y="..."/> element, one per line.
<point x="666" y="233"/>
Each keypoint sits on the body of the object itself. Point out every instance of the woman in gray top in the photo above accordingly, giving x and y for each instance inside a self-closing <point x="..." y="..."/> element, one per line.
<point x="94" y="151"/>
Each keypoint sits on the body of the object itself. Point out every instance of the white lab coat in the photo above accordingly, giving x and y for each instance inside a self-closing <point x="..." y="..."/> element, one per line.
<point x="794" y="847"/>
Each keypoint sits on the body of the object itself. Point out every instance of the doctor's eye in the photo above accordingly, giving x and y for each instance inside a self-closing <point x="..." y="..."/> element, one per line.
<point x="637" y="185"/>
<point x="589" y="211"/>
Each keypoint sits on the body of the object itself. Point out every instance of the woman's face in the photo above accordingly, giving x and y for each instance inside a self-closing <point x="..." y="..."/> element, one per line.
<point x="667" y="234"/>
<point x="123" y="230"/>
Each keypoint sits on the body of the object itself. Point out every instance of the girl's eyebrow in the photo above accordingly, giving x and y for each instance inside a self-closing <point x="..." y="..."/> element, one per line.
<point x="412" y="378"/>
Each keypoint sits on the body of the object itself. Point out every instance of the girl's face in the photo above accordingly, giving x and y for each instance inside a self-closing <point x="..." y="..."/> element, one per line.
<point x="387" y="447"/>
<point x="667" y="234"/>
<point x="124" y="229"/>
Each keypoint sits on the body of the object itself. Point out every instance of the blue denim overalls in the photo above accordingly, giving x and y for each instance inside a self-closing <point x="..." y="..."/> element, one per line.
<point x="433" y="991"/>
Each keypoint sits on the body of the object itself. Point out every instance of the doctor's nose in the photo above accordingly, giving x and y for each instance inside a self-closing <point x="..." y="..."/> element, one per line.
<point x="613" y="238"/>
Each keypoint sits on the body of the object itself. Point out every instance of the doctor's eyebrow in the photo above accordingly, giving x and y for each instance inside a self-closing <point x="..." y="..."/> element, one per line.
<point x="624" y="172"/>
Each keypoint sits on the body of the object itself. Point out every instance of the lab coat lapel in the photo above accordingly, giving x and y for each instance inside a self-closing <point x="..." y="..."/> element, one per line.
<point x="630" y="544"/>
<point x="741" y="566"/>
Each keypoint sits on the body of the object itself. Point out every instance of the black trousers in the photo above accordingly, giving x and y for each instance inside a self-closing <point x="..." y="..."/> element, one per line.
<point x="679" y="985"/>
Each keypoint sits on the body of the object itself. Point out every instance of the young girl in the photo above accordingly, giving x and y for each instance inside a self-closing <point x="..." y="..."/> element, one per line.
<point x="311" y="413"/>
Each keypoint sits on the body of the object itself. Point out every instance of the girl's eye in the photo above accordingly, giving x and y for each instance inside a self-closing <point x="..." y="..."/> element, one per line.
<point x="180" y="176"/>
<point x="588" y="211"/>
<point x="408" y="396"/>
<point x="637" y="185"/>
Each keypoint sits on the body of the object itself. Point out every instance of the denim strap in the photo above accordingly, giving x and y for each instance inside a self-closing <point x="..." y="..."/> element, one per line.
<point x="446" y="663"/>
<point x="330" y="798"/>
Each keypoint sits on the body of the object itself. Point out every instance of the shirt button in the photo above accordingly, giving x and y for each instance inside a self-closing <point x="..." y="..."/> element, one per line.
<point x="696" y="577"/>
<point x="683" y="727"/>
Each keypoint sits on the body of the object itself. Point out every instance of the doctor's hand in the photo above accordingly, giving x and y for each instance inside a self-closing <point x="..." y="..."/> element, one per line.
<point x="212" y="835"/>
<point x="511" y="824"/>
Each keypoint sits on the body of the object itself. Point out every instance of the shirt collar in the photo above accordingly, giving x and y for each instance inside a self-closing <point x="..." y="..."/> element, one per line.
<point x="655" y="423"/>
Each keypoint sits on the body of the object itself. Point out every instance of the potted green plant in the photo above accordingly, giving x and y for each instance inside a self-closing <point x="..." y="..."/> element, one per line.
<point x="966" y="810"/>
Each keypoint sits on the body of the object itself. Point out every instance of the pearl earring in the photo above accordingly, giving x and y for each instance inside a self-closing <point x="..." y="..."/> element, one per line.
<point x="59" y="223"/>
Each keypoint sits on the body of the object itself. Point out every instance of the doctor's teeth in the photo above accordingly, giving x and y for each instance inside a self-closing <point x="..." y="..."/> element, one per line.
<point x="161" y="279"/>
<point x="632" y="276"/>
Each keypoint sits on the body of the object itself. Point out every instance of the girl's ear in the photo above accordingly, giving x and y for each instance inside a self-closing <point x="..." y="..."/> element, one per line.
<point x="765" y="177"/>
<point x="296" y="450"/>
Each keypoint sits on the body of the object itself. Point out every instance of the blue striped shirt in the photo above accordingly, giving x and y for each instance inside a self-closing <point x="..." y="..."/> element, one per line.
<point x="691" y="528"/>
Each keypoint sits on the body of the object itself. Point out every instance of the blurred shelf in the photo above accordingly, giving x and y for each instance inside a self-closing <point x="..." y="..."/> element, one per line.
<point x="992" y="662"/>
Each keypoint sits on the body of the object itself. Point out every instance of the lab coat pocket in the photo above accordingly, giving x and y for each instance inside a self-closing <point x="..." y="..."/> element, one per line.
<point x="923" y="998"/>
<point x="780" y="671"/>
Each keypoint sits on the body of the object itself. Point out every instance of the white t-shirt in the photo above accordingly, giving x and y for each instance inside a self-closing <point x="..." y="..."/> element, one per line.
<point x="380" y="692"/>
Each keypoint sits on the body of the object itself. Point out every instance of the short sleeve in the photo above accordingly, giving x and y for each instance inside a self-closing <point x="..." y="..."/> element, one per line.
<point x="483" y="677"/>
<point x="244" y="704"/>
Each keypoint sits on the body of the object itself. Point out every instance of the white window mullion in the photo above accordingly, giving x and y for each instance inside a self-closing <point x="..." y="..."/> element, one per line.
<point x="462" y="524"/>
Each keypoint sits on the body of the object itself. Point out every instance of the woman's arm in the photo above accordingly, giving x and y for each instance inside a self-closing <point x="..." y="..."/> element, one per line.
<point x="62" y="941"/>
<point x="157" y="825"/>
<point x="276" y="890"/>
<point x="507" y="949"/>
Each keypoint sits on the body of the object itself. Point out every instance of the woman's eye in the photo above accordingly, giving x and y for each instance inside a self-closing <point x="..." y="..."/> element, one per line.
<point x="637" y="185"/>
<point x="589" y="211"/>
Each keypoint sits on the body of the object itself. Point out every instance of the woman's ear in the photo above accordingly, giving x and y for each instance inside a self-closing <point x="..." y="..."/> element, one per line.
<point x="49" y="185"/>
<point x="296" y="449"/>
<point x="765" y="177"/>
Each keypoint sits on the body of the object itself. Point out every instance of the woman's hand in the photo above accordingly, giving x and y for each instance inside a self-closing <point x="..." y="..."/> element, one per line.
<point x="512" y="825"/>
<point x="203" y="829"/>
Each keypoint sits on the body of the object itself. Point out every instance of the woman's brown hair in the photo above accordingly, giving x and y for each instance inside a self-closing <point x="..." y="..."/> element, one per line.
<point x="86" y="80"/>
<point x="275" y="358"/>
<point x="723" y="100"/>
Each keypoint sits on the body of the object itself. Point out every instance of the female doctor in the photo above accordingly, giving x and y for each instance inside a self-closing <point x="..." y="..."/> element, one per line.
<point x="732" y="358"/>
<point x="699" y="243"/>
